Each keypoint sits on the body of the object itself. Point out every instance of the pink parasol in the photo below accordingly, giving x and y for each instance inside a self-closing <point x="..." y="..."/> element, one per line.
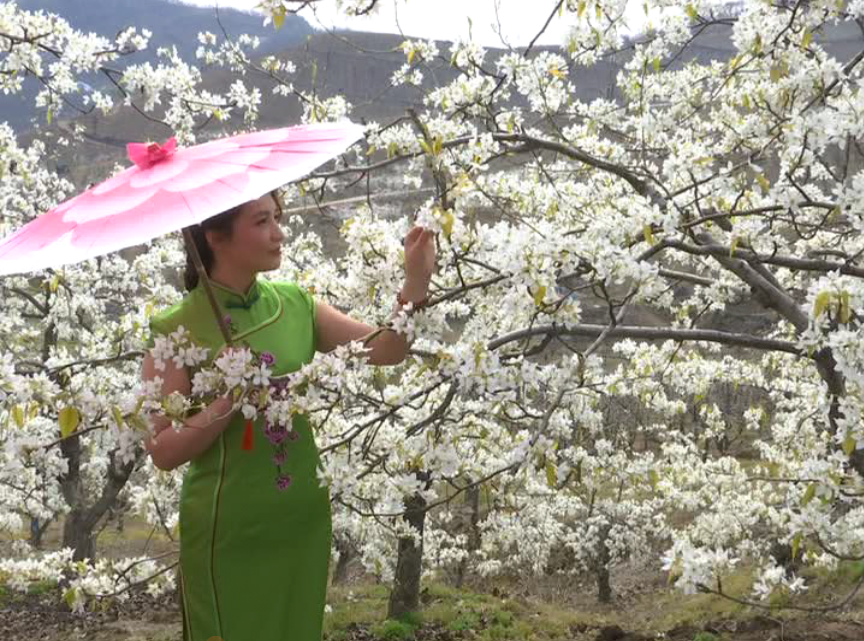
<point x="169" y="189"/>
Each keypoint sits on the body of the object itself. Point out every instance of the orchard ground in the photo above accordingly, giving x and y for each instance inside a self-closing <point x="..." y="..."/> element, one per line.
<point x="538" y="609"/>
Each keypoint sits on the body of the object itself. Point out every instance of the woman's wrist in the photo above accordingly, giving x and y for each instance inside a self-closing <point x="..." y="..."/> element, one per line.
<point x="414" y="290"/>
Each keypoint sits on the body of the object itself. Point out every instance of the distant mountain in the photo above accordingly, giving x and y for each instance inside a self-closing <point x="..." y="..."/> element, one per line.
<point x="172" y="23"/>
<point x="356" y="65"/>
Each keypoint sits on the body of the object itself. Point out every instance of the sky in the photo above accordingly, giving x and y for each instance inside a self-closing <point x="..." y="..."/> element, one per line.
<point x="520" y="20"/>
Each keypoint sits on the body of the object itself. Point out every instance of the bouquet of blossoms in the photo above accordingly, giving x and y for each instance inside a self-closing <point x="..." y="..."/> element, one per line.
<point x="246" y="377"/>
<point x="241" y="374"/>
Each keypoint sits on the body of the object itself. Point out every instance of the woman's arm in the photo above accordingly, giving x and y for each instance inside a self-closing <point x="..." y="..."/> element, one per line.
<point x="336" y="328"/>
<point x="169" y="448"/>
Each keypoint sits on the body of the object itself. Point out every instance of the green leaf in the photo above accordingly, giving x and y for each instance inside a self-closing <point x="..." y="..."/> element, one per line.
<point x="649" y="235"/>
<point x="653" y="478"/>
<point x="279" y="17"/>
<point x="69" y="419"/>
<point x="69" y="596"/>
<point x="779" y="70"/>
<point x="580" y="11"/>
<point x="18" y="415"/>
<point x="734" y="246"/>
<point x="657" y="64"/>
<point x="551" y="474"/>
<point x="437" y="145"/>
<point x="118" y="417"/>
<point x="447" y="224"/>
<point x="807" y="38"/>
<point x="539" y="295"/>
<point x="478" y="354"/>
<point x="845" y="311"/>
<point x="691" y="12"/>
<point x="809" y="494"/>
<point x="675" y="570"/>
<point x="821" y="304"/>
<point x="796" y="546"/>
<point x="763" y="182"/>
<point x="849" y="445"/>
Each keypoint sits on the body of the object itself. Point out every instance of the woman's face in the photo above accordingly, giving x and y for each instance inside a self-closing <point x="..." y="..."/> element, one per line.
<point x="256" y="239"/>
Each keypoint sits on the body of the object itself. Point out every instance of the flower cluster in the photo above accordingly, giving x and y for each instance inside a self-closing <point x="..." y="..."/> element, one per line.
<point x="240" y="374"/>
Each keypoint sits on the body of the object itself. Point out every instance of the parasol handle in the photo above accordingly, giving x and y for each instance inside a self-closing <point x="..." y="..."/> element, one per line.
<point x="192" y="248"/>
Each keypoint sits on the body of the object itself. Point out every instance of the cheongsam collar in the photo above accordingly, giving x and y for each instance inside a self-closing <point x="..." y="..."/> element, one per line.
<point x="230" y="298"/>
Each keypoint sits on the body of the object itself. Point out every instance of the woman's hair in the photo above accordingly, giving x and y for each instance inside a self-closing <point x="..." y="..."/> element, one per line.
<point x="223" y="223"/>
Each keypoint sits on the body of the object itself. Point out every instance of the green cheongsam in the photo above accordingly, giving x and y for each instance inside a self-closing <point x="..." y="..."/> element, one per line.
<point x="254" y="558"/>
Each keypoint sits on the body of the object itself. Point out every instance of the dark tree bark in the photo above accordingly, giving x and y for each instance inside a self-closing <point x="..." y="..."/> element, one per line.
<point x="37" y="531"/>
<point x="81" y="521"/>
<point x="472" y="500"/>
<point x="346" y="553"/>
<point x="405" y="595"/>
<point x="604" y="587"/>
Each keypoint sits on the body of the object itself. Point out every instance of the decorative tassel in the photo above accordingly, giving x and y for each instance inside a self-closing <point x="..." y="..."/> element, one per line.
<point x="248" y="434"/>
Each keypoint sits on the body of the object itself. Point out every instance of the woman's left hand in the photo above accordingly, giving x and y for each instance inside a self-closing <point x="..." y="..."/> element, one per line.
<point x="419" y="256"/>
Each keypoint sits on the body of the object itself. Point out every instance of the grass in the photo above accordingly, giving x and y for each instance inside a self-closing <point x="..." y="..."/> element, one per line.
<point x="565" y="612"/>
<point x="481" y="616"/>
<point x="674" y="609"/>
<point x="8" y="595"/>
<point x="393" y="630"/>
<point x="463" y="612"/>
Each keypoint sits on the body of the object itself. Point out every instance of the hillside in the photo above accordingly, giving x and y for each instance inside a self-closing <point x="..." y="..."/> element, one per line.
<point x="172" y="24"/>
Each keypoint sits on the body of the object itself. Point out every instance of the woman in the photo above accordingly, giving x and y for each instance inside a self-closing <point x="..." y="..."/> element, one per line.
<point x="254" y="556"/>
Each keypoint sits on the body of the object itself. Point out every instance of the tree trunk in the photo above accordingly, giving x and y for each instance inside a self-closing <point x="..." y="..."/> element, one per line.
<point x="604" y="587"/>
<point x="80" y="522"/>
<point x="472" y="500"/>
<point x="405" y="595"/>
<point x="345" y="556"/>
<point x="37" y="531"/>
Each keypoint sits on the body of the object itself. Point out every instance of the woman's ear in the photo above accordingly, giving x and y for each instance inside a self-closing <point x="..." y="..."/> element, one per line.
<point x="214" y="238"/>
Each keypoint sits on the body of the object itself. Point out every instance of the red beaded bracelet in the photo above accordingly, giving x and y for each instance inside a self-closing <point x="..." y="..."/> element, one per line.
<point x="416" y="305"/>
